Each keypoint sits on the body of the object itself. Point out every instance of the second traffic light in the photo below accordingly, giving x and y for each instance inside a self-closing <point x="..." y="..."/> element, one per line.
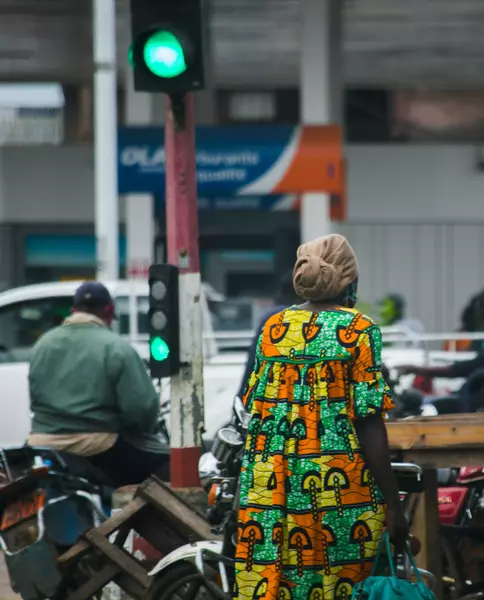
<point x="164" y="322"/>
<point x="167" y="45"/>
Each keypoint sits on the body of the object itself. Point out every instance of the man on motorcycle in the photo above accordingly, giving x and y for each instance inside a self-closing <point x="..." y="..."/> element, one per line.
<point x="91" y="394"/>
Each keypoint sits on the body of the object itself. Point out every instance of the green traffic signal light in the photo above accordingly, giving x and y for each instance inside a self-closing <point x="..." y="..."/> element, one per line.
<point x="164" y="56"/>
<point x="159" y="349"/>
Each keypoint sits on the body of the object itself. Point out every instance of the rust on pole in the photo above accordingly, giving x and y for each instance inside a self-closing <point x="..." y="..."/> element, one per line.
<point x="183" y="251"/>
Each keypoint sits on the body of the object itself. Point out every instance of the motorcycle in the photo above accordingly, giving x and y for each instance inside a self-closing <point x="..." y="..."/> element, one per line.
<point x="47" y="500"/>
<point x="460" y="498"/>
<point x="409" y="402"/>
<point x="208" y="567"/>
<point x="461" y="512"/>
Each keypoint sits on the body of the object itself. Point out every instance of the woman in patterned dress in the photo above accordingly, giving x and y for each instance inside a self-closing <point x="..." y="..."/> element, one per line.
<point x="316" y="483"/>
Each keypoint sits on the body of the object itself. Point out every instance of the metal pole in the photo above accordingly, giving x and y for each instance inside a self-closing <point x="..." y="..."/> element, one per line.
<point x="319" y="96"/>
<point x="105" y="140"/>
<point x="182" y="242"/>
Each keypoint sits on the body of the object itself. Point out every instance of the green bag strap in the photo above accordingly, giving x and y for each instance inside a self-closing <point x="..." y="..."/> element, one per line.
<point x="385" y="545"/>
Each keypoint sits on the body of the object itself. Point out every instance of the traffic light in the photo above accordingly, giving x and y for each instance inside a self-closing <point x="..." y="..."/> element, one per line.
<point x="164" y="323"/>
<point x="167" y="45"/>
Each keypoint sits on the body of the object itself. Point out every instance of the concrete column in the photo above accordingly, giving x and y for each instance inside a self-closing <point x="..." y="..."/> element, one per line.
<point x="205" y="107"/>
<point x="10" y="271"/>
<point x="3" y="191"/>
<point x="140" y="220"/>
<point x="321" y="101"/>
<point x="206" y="101"/>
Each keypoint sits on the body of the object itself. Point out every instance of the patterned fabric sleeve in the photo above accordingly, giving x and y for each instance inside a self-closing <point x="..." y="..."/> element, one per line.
<point x="369" y="393"/>
<point x="254" y="377"/>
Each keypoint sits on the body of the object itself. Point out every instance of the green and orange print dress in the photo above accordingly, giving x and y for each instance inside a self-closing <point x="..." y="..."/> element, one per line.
<point x="310" y="515"/>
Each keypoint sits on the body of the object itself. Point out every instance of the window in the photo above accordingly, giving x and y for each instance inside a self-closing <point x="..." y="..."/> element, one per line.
<point x="122" y="314"/>
<point x="23" y="323"/>
<point x="252" y="107"/>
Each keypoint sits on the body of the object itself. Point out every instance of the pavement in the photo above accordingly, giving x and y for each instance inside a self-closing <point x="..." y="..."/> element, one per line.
<point x="5" y="590"/>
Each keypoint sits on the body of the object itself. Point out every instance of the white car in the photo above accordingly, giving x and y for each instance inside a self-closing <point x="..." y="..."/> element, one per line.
<point x="27" y="312"/>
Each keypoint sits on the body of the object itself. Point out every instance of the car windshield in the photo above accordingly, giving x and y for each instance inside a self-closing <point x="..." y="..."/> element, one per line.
<point x="23" y="323"/>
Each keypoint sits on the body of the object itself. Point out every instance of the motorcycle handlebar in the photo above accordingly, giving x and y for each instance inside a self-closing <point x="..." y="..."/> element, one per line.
<point x="407" y="468"/>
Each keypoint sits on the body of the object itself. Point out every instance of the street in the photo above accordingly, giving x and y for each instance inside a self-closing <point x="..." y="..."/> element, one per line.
<point x="5" y="591"/>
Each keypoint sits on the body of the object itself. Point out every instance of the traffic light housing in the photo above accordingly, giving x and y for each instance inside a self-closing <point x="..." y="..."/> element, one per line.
<point x="164" y="322"/>
<point x="167" y="45"/>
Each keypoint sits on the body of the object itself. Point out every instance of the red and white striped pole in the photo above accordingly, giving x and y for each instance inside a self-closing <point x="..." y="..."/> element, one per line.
<point x="183" y="251"/>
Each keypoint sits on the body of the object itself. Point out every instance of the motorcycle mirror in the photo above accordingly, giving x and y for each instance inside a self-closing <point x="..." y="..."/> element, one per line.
<point x="207" y="469"/>
<point x="243" y="417"/>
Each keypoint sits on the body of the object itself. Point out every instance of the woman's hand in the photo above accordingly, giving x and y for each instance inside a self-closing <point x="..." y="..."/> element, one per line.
<point x="397" y="526"/>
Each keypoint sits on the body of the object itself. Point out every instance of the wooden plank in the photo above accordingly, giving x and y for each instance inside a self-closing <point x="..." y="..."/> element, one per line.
<point x="406" y="435"/>
<point x="457" y="418"/>
<point x="125" y="562"/>
<point x="95" y="583"/>
<point x="177" y="512"/>
<point x="427" y="528"/>
<point x="106" y="529"/>
<point x="155" y="529"/>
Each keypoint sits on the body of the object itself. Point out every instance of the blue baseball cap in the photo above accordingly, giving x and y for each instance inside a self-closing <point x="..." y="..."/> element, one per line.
<point x="92" y="293"/>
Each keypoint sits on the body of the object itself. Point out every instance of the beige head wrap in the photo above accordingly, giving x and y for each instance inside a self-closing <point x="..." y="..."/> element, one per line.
<point x="324" y="268"/>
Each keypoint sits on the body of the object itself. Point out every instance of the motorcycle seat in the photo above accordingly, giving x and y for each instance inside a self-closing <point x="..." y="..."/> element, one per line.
<point x="79" y="466"/>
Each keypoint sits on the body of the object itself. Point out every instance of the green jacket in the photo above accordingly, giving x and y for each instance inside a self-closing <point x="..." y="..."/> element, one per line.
<point x="86" y="379"/>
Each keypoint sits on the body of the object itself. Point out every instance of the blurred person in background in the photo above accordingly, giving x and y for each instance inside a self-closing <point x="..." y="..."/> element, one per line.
<point x="472" y="321"/>
<point x="392" y="309"/>
<point x="286" y="296"/>
<point x="317" y="485"/>
<point x="91" y="394"/>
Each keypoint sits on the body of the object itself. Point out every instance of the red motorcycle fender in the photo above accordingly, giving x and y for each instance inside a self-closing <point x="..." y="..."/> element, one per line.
<point x="451" y="503"/>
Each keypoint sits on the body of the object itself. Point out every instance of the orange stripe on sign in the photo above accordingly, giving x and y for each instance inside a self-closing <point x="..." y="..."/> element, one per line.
<point x="338" y="202"/>
<point x="318" y="163"/>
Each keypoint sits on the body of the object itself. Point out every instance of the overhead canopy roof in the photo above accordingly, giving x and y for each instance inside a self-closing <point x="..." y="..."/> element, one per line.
<point x="390" y="43"/>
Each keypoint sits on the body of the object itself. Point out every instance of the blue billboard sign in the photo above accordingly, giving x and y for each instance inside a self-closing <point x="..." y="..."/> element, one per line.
<point x="228" y="158"/>
<point x="240" y="203"/>
<point x="247" y="161"/>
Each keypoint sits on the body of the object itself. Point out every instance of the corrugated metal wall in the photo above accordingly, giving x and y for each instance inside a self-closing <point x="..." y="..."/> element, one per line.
<point x="436" y="267"/>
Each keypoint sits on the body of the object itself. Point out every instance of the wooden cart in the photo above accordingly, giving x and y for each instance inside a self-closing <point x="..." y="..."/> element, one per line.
<point x="157" y="515"/>
<point x="167" y="522"/>
<point x="436" y="442"/>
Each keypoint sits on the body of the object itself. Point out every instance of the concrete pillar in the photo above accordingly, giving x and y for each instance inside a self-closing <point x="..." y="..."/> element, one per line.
<point x="140" y="220"/>
<point x="321" y="99"/>
<point x="3" y="190"/>
<point x="10" y="271"/>
<point x="205" y="107"/>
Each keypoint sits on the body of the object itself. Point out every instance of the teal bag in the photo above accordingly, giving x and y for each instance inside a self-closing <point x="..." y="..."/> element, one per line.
<point x="391" y="587"/>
